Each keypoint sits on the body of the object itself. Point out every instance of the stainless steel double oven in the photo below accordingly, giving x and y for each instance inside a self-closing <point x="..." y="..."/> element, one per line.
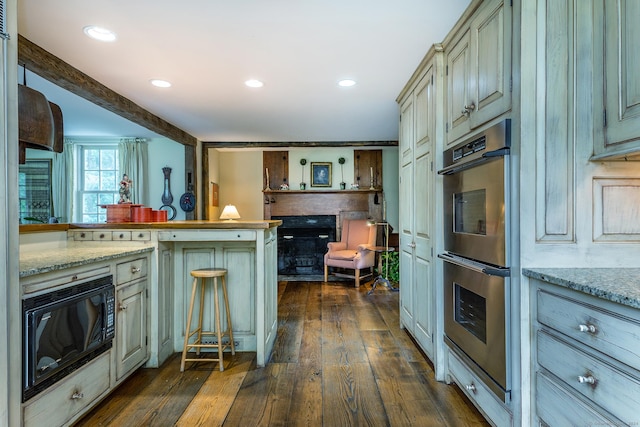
<point x="476" y="257"/>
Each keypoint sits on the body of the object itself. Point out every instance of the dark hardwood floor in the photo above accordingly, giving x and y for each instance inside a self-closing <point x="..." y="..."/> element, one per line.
<point x="340" y="359"/>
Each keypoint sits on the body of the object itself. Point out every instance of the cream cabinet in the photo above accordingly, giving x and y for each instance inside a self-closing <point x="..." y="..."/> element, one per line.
<point x="416" y="197"/>
<point x="617" y="52"/>
<point x="478" y="70"/>
<point x="67" y="400"/>
<point x="163" y="301"/>
<point x="250" y="257"/>
<point x="131" y="316"/>
<point x="586" y="358"/>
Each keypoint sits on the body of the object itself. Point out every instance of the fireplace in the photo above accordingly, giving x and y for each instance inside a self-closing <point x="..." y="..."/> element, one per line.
<point x="302" y="243"/>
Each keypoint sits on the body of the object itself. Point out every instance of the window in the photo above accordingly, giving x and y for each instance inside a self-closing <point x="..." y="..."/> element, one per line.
<point x="99" y="171"/>
<point x="34" y="191"/>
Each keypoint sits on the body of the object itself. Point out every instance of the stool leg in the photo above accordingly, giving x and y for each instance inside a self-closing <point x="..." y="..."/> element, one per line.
<point x="218" y="331"/>
<point x="226" y="306"/>
<point x="185" y="348"/>
<point x="200" y="314"/>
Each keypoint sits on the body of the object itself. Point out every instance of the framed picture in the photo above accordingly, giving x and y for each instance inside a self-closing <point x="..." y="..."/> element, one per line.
<point x="321" y="174"/>
<point x="215" y="190"/>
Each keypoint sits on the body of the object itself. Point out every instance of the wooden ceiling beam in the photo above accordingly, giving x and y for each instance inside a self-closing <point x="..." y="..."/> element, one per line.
<point x="298" y="144"/>
<point x="52" y="68"/>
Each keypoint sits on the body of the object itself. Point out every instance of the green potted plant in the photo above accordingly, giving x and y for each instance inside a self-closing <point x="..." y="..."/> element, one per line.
<point x="303" y="185"/>
<point x="342" y="161"/>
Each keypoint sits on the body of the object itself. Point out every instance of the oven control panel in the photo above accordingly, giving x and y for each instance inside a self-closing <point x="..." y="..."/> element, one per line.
<point x="479" y="144"/>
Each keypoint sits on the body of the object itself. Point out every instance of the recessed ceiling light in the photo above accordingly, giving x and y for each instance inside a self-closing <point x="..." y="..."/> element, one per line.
<point x="160" y="83"/>
<point x="346" y="83"/>
<point x="254" y="83"/>
<point x="99" y="33"/>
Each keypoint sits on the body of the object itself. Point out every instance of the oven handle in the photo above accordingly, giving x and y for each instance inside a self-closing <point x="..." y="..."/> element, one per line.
<point x="476" y="266"/>
<point x="455" y="168"/>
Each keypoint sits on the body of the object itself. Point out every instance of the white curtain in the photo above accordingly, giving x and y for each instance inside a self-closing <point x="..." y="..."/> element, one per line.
<point x="133" y="159"/>
<point x="62" y="183"/>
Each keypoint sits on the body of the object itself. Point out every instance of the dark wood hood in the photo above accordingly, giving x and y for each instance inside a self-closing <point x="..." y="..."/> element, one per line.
<point x="40" y="122"/>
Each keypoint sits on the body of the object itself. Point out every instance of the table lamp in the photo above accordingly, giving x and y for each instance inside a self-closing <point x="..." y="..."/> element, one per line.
<point x="230" y="213"/>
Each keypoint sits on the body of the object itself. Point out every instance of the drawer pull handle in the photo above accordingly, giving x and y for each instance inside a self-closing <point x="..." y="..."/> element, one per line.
<point x="77" y="395"/>
<point x="123" y="307"/>
<point x="135" y="270"/>
<point x="471" y="387"/>
<point x="589" y="379"/>
<point x="587" y="328"/>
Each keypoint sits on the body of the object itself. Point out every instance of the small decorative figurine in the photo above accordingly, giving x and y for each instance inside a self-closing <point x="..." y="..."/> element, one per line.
<point x="125" y="190"/>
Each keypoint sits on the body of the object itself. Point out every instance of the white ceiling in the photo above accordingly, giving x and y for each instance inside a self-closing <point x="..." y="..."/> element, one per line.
<point x="208" y="48"/>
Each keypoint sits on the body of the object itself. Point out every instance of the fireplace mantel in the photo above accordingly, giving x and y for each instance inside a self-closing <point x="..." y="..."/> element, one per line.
<point x="361" y="203"/>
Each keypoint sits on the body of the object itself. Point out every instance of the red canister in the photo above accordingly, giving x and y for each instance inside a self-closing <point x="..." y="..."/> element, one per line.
<point x="146" y="214"/>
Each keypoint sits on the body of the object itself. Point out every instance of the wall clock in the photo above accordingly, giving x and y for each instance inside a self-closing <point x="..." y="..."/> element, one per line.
<point x="188" y="201"/>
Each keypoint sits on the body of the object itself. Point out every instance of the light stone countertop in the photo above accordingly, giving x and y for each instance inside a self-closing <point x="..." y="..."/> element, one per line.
<point x="620" y="285"/>
<point x="38" y="262"/>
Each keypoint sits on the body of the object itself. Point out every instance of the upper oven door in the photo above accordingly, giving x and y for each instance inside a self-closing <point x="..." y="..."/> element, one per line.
<point x="474" y="203"/>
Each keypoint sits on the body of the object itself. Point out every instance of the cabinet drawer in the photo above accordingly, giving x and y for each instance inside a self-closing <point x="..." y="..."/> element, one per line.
<point x="121" y="235"/>
<point x="82" y="235"/>
<point x="606" y="331"/>
<point x="479" y="394"/>
<point x="69" y="397"/>
<point x="67" y="277"/>
<point x="140" y="235"/>
<point x="101" y="235"/>
<point x="590" y="376"/>
<point x="555" y="406"/>
<point x="128" y="271"/>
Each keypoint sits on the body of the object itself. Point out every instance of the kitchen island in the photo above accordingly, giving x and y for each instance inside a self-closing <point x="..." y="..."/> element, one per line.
<point x="149" y="265"/>
<point x="247" y="249"/>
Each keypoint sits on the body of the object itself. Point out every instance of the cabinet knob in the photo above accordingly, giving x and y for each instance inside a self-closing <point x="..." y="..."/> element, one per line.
<point x="471" y="387"/>
<point x="77" y="395"/>
<point x="587" y="328"/>
<point x="588" y="379"/>
<point x="466" y="111"/>
<point x="122" y="307"/>
<point x="412" y="245"/>
<point x="135" y="269"/>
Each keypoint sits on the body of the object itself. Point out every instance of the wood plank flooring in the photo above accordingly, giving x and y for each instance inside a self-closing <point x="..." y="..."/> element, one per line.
<point x="340" y="359"/>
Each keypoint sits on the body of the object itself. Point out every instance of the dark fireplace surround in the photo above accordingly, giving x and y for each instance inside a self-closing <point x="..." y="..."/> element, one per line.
<point x="311" y="219"/>
<point x="302" y="243"/>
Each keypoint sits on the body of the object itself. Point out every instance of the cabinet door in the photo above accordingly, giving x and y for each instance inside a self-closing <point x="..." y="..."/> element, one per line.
<point x="458" y="91"/>
<point x="131" y="333"/>
<point x="622" y="85"/>
<point x="165" y="304"/>
<point x="416" y="193"/>
<point x="405" y="196"/>
<point x="479" y="71"/>
<point x="490" y="86"/>
<point x="423" y="279"/>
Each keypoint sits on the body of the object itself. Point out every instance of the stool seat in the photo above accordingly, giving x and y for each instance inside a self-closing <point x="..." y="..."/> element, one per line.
<point x="203" y="274"/>
<point x="209" y="272"/>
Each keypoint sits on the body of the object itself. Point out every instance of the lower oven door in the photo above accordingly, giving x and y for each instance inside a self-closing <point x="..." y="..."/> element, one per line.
<point x="474" y="314"/>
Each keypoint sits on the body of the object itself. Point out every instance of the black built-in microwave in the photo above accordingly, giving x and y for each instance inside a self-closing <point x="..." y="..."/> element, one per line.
<point x="63" y="329"/>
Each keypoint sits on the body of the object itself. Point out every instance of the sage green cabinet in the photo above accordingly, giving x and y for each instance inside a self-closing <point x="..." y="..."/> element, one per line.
<point x="617" y="53"/>
<point x="478" y="70"/>
<point x="417" y="195"/>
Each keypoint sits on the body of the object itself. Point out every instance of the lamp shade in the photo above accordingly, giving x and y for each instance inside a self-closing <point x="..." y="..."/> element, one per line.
<point x="229" y="213"/>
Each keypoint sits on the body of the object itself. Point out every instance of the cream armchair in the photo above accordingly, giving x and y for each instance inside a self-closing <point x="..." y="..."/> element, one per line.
<point x="354" y="251"/>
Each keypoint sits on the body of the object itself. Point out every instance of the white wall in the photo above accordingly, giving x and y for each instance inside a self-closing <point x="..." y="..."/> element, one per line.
<point x="165" y="152"/>
<point x="240" y="181"/>
<point x="239" y="174"/>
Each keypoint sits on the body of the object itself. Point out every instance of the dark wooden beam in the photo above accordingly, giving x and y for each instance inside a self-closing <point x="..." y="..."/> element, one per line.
<point x="67" y="77"/>
<point x="227" y="144"/>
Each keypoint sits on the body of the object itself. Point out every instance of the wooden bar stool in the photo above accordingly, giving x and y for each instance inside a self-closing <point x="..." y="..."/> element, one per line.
<point x="204" y="274"/>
